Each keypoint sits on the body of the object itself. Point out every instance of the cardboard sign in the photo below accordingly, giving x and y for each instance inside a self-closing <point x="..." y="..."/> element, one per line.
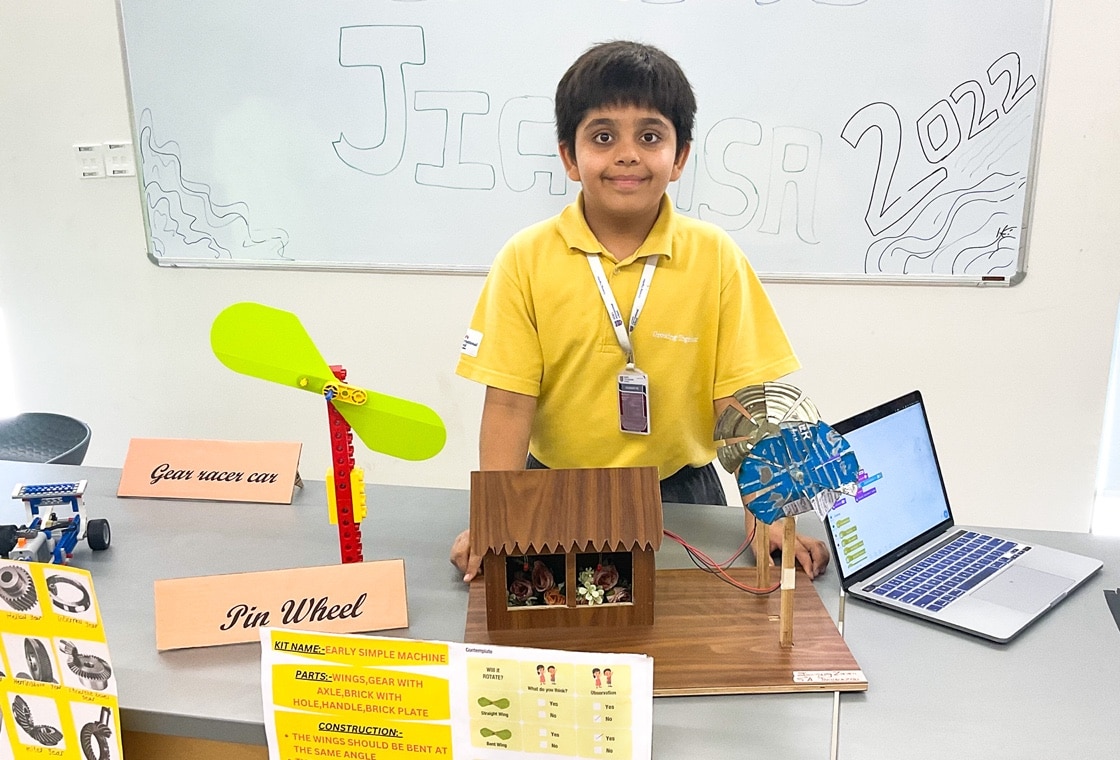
<point x="231" y="609"/>
<point x="173" y="468"/>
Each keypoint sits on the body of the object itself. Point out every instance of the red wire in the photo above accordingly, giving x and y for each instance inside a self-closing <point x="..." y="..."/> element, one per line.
<point x="708" y="561"/>
<point x="719" y="568"/>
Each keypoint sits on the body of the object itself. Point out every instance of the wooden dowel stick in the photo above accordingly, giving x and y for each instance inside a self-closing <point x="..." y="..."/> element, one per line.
<point x="785" y="613"/>
<point x="762" y="553"/>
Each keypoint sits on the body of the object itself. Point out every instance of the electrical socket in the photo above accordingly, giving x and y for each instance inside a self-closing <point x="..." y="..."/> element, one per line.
<point x="120" y="161"/>
<point x="90" y="158"/>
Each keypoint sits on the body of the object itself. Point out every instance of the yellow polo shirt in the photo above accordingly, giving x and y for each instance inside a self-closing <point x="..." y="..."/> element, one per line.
<point x="540" y="328"/>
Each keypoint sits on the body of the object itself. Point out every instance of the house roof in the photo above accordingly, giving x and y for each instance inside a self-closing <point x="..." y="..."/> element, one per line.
<point x="554" y="511"/>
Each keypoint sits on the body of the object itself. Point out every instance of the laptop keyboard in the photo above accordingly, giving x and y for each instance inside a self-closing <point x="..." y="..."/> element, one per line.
<point x="942" y="577"/>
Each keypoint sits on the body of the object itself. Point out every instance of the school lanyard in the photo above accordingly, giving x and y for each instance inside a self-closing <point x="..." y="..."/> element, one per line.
<point x="621" y="332"/>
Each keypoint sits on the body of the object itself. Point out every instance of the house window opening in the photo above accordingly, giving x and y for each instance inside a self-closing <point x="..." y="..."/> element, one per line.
<point x="605" y="578"/>
<point x="536" y="580"/>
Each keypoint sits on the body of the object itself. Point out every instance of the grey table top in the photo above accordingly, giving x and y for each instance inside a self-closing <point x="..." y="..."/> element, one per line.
<point x="1054" y="691"/>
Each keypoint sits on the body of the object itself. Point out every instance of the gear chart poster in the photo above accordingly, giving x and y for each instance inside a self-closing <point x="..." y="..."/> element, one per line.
<point x="59" y="693"/>
<point x="349" y="696"/>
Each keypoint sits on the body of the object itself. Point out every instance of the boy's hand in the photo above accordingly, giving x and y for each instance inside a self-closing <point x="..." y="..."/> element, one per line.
<point x="461" y="557"/>
<point x="811" y="553"/>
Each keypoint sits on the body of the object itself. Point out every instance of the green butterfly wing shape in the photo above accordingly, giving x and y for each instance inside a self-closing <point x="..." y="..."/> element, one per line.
<point x="394" y="426"/>
<point x="271" y="344"/>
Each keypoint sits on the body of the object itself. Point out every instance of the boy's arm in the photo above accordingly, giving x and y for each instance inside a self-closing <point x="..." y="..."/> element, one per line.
<point x="503" y="438"/>
<point x="811" y="553"/>
<point x="503" y="444"/>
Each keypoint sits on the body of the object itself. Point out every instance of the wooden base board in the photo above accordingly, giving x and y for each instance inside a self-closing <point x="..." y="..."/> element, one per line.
<point x="708" y="638"/>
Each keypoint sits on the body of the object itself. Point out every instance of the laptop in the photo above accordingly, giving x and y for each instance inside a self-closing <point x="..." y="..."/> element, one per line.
<point x="896" y="545"/>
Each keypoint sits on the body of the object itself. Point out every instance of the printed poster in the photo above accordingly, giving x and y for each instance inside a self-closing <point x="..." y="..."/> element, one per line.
<point x="56" y="677"/>
<point x="350" y="696"/>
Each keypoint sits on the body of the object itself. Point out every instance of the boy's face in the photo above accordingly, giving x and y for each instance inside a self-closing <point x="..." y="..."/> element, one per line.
<point x="625" y="157"/>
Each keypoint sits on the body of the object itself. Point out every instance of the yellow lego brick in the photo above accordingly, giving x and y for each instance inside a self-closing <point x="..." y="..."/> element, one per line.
<point x="358" y="491"/>
<point x="332" y="507"/>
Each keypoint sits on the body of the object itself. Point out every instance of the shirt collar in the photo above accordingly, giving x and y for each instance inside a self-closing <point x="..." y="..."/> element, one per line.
<point x="580" y="239"/>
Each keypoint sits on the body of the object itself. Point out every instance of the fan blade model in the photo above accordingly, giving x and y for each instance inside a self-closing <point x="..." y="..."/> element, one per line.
<point x="789" y="461"/>
<point x="271" y="344"/>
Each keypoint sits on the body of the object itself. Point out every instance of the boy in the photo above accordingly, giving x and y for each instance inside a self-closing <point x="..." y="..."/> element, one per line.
<point x="571" y="304"/>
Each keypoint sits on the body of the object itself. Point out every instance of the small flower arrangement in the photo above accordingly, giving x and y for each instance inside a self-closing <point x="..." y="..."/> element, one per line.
<point x="588" y="591"/>
<point x="532" y="581"/>
<point x="534" y="584"/>
<point x="602" y="585"/>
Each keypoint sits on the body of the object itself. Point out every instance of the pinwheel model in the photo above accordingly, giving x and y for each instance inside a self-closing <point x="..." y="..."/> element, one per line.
<point x="271" y="344"/>
<point x="786" y="461"/>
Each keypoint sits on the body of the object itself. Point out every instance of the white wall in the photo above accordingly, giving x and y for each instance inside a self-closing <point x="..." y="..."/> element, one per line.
<point x="1015" y="379"/>
<point x="1109" y="475"/>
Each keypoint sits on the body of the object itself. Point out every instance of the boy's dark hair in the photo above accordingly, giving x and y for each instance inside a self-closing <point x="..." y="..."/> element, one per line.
<point x="623" y="73"/>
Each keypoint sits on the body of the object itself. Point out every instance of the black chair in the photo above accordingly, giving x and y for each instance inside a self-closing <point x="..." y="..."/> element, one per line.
<point x="44" y="437"/>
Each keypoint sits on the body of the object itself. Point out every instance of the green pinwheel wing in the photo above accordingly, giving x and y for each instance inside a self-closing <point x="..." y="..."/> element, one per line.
<point x="271" y="344"/>
<point x="394" y="426"/>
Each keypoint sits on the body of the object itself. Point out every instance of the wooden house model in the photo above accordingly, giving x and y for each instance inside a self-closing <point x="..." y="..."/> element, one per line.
<point x="567" y="548"/>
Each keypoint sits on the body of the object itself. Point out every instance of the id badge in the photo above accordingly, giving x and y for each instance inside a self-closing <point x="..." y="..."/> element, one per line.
<point x="633" y="402"/>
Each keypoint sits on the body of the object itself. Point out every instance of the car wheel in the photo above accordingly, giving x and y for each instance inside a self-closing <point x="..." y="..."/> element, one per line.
<point x="98" y="535"/>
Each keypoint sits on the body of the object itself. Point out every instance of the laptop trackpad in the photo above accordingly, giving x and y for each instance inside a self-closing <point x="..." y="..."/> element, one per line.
<point x="1023" y="588"/>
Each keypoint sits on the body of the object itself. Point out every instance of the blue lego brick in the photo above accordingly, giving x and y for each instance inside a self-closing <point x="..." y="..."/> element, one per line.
<point x="49" y="490"/>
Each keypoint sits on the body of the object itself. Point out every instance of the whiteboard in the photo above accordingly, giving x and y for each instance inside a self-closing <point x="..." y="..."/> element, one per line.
<point x="855" y="140"/>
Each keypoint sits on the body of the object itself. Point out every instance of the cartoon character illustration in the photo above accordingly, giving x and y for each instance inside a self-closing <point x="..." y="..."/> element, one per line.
<point x="552" y="673"/>
<point x="607" y="675"/>
<point x="595" y="673"/>
<point x="540" y="673"/>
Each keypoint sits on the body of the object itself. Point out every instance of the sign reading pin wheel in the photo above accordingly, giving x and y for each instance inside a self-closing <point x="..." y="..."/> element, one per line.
<point x="789" y="461"/>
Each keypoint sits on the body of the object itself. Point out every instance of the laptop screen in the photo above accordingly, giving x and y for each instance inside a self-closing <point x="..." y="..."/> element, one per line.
<point x="901" y="495"/>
